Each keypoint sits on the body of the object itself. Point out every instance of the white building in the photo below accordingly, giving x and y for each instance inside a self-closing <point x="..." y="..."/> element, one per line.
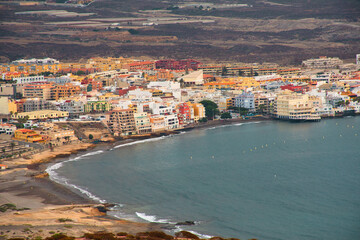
<point x="322" y="62"/>
<point x="7" y="128"/>
<point x="245" y="100"/>
<point x="171" y="121"/>
<point x="194" y="78"/>
<point x="22" y="80"/>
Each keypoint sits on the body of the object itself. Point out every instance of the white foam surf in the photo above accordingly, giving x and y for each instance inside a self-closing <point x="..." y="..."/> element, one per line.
<point x="150" y="218"/>
<point x="202" y="236"/>
<point x="53" y="175"/>
<point x="140" y="141"/>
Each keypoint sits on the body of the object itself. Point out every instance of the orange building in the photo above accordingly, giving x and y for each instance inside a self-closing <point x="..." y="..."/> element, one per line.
<point x="28" y="135"/>
<point x="64" y="91"/>
<point x="141" y="66"/>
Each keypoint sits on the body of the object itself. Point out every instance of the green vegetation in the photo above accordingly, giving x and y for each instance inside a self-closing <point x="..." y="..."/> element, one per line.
<point x="225" y="115"/>
<point x="133" y="31"/>
<point x="203" y="120"/>
<point x="91" y="136"/>
<point x="211" y="108"/>
<point x="65" y="220"/>
<point x="80" y="73"/>
<point x="7" y="206"/>
<point x="241" y="110"/>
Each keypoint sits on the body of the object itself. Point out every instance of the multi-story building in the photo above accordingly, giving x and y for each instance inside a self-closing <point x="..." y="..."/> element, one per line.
<point x="245" y="100"/>
<point x="171" y="122"/>
<point x="30" y="105"/>
<point x="132" y="67"/>
<point x="142" y="122"/>
<point x="7" y="128"/>
<point x="97" y="106"/>
<point x="295" y="107"/>
<point x="266" y="71"/>
<point x="28" y="135"/>
<point x="41" y="115"/>
<point x="42" y="91"/>
<point x="184" y="110"/>
<point x="157" y="123"/>
<point x="29" y="79"/>
<point x="262" y="104"/>
<point x="211" y="69"/>
<point x="121" y="122"/>
<point x="64" y="91"/>
<point x="288" y="71"/>
<point x="199" y="111"/>
<point x="322" y="62"/>
<point x="177" y="64"/>
<point x="33" y="66"/>
<point x="74" y="108"/>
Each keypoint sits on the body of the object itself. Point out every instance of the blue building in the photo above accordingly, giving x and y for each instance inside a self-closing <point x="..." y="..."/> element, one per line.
<point x="245" y="100"/>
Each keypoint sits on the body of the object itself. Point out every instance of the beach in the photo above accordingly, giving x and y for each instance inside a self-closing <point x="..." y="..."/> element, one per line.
<point x="26" y="184"/>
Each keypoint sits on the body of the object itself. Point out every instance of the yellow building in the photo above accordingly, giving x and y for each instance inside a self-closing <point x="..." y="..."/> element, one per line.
<point x="107" y="96"/>
<point x="42" y="114"/>
<point x="4" y="105"/>
<point x="247" y="82"/>
<point x="97" y="106"/>
<point x="28" y="135"/>
<point x="199" y="111"/>
<point x="295" y="106"/>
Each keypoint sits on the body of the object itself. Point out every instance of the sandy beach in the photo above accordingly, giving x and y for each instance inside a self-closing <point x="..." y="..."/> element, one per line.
<point x="44" y="207"/>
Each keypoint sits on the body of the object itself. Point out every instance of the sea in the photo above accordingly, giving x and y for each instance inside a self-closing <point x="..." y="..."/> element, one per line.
<point x="264" y="180"/>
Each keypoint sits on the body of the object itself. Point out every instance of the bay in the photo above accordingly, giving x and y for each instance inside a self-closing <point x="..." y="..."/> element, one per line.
<point x="265" y="180"/>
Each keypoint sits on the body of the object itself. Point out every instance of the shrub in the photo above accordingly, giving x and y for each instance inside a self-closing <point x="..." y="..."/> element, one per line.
<point x="100" y="236"/>
<point x="65" y="220"/>
<point x="185" y="234"/>
<point x="59" y="236"/>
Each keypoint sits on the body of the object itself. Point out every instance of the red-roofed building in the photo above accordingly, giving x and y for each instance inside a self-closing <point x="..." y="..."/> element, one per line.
<point x="178" y="64"/>
<point x="298" y="89"/>
<point x="146" y="65"/>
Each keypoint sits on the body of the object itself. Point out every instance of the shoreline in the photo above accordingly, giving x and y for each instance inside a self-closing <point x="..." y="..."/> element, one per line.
<point x="27" y="185"/>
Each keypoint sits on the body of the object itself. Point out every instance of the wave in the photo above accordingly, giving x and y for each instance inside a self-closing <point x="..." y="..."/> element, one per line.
<point x="230" y="125"/>
<point x="202" y="236"/>
<point x="140" y="141"/>
<point x="150" y="218"/>
<point x="53" y="175"/>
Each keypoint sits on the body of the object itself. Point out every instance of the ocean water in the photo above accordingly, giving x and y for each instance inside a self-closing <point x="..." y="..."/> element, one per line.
<point x="265" y="180"/>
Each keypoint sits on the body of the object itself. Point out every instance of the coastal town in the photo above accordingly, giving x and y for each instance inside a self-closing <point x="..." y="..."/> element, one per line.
<point x="46" y="103"/>
<point x="51" y="109"/>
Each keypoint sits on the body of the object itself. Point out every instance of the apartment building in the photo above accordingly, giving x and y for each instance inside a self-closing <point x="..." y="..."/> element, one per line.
<point x="322" y="62"/>
<point x="41" y="115"/>
<point x="295" y="107"/>
<point x="157" y="123"/>
<point x="28" y="135"/>
<point x="245" y="100"/>
<point x="199" y="111"/>
<point x="74" y="108"/>
<point x="121" y="122"/>
<point x="42" y="91"/>
<point x="142" y="122"/>
<point x="64" y="91"/>
<point x="177" y="64"/>
<point x="22" y="80"/>
<point x="30" y="105"/>
<point x="97" y="106"/>
<point x="33" y="66"/>
<point x="171" y="122"/>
